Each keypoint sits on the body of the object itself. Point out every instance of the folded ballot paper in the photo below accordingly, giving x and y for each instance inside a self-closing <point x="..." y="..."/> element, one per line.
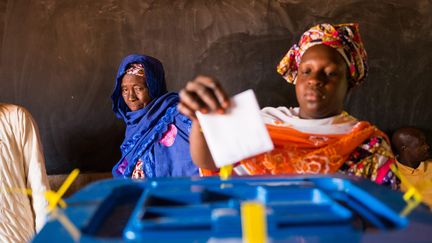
<point x="238" y="134"/>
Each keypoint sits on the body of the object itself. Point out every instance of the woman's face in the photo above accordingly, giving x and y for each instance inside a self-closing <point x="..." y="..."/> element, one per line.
<point x="321" y="83"/>
<point x="135" y="92"/>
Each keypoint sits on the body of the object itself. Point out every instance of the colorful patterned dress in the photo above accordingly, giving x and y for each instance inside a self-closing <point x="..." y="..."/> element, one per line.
<point x="321" y="146"/>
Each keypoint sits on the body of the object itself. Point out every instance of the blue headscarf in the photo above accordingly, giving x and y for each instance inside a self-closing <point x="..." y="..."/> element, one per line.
<point x="155" y="80"/>
<point x="146" y="126"/>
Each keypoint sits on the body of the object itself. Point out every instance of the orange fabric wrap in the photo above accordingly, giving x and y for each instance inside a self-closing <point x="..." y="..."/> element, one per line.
<point x="303" y="153"/>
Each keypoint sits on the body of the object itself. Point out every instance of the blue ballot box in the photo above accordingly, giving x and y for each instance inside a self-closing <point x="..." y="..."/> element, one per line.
<point x="298" y="209"/>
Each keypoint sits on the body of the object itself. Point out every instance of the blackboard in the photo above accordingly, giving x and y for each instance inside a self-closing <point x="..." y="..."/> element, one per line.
<point x="59" y="59"/>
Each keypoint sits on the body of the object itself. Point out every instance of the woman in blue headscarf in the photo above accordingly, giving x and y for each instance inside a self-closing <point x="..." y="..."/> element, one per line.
<point x="156" y="142"/>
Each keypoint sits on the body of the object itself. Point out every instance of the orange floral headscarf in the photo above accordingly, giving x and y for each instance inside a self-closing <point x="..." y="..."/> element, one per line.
<point x="345" y="38"/>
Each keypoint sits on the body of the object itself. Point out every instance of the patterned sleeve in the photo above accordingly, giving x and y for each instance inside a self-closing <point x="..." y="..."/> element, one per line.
<point x="372" y="160"/>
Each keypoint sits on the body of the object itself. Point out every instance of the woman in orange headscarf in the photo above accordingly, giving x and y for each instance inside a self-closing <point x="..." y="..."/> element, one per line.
<point x="318" y="136"/>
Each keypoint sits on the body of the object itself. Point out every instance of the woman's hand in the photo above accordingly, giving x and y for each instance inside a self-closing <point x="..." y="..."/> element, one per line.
<point x="206" y="95"/>
<point x="203" y="94"/>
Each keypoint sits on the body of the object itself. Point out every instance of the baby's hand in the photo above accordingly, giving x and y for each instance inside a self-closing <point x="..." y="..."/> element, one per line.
<point x="203" y="94"/>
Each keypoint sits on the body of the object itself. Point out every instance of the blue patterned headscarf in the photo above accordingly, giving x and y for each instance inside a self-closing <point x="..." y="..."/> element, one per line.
<point x="146" y="126"/>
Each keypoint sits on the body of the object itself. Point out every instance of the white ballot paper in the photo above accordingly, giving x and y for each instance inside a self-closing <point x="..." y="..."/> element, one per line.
<point x="238" y="134"/>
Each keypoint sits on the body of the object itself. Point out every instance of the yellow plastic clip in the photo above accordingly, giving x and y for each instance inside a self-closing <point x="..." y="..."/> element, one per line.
<point x="55" y="198"/>
<point x="225" y="172"/>
<point x="69" y="226"/>
<point x="254" y="224"/>
<point x="26" y="191"/>
<point x="412" y="196"/>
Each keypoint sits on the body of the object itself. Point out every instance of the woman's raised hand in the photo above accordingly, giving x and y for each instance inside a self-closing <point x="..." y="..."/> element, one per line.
<point x="203" y="94"/>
